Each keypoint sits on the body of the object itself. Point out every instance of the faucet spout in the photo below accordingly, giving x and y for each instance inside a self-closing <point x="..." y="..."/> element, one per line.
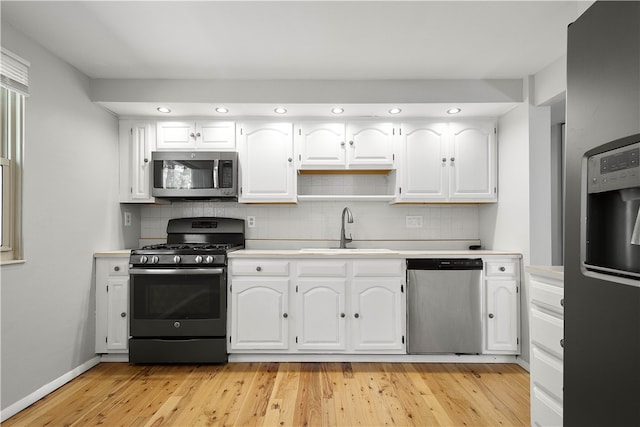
<point x="343" y="238"/>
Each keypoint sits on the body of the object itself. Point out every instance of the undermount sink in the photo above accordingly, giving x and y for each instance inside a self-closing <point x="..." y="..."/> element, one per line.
<point x="346" y="251"/>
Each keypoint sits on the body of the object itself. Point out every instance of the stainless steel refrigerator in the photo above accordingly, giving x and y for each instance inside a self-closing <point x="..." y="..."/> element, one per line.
<point x="602" y="218"/>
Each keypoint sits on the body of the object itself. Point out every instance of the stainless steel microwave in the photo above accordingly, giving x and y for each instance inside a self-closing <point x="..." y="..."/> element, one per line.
<point x="195" y="174"/>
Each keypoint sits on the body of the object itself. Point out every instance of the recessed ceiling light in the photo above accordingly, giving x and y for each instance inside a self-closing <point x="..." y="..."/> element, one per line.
<point x="164" y="109"/>
<point x="337" y="110"/>
<point x="394" y="111"/>
<point x="454" y="110"/>
<point x="280" y="110"/>
<point x="222" y="110"/>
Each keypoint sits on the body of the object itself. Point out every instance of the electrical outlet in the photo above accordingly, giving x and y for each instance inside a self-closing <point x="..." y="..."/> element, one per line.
<point x="413" y="221"/>
<point x="251" y="221"/>
<point x="127" y="218"/>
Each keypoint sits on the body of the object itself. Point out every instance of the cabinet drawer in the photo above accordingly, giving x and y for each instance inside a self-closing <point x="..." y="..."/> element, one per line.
<point x="118" y="268"/>
<point x="259" y="268"/>
<point x="322" y="269"/>
<point x="547" y="296"/>
<point x="547" y="372"/>
<point x="545" y="411"/>
<point x="501" y="268"/>
<point x="377" y="268"/>
<point x="547" y="331"/>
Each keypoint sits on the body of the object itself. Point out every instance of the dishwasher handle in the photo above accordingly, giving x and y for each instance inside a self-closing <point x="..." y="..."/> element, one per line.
<point x="445" y="264"/>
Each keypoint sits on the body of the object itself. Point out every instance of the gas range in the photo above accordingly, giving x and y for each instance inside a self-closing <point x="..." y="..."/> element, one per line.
<point x="200" y="242"/>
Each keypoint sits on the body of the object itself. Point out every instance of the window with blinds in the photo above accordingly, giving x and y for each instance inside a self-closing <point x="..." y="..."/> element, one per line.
<point x="14" y="87"/>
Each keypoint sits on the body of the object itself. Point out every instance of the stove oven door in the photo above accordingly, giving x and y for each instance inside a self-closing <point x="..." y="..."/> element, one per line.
<point x="178" y="303"/>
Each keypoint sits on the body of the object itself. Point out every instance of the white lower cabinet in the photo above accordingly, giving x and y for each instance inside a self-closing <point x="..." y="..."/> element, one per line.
<point x="112" y="304"/>
<point x="319" y="306"/>
<point x="260" y="318"/>
<point x="502" y="306"/>
<point x="547" y="339"/>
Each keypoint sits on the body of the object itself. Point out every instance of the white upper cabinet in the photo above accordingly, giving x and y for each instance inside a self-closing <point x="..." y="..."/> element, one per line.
<point x="370" y="145"/>
<point x="447" y="162"/>
<point x="472" y="161"/>
<point x="136" y="141"/>
<point x="267" y="172"/>
<point x="355" y="145"/>
<point x="199" y="135"/>
<point x="423" y="175"/>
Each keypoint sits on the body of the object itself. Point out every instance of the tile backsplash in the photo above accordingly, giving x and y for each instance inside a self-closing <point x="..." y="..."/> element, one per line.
<point x="320" y="220"/>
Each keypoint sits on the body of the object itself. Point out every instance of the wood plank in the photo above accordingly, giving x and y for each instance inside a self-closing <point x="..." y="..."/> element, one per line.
<point x="288" y="394"/>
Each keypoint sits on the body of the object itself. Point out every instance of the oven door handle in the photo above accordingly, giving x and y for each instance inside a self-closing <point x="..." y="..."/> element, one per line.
<point x="181" y="271"/>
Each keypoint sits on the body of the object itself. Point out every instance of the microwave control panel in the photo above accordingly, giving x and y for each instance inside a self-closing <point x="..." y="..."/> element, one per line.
<point x="614" y="170"/>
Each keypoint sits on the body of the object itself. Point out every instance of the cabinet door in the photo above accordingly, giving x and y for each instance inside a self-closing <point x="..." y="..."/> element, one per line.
<point x="117" y="313"/>
<point x="502" y="316"/>
<point x="175" y="135"/>
<point x="216" y="136"/>
<point x="472" y="159"/>
<point x="259" y="314"/>
<point x="377" y="315"/>
<point x="267" y="169"/>
<point x="321" y="145"/>
<point x="321" y="314"/>
<point x="136" y="141"/>
<point x="424" y="170"/>
<point x="370" y="145"/>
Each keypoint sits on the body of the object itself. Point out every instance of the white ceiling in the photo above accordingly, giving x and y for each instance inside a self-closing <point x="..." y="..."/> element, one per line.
<point x="299" y="39"/>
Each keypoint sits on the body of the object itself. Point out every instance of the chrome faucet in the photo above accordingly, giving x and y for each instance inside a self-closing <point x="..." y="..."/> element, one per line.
<point x="343" y="238"/>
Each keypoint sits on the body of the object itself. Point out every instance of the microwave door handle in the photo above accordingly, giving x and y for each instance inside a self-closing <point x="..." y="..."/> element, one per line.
<point x="216" y="164"/>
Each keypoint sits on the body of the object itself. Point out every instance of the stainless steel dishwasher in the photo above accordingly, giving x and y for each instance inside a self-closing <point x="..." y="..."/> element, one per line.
<point x="444" y="306"/>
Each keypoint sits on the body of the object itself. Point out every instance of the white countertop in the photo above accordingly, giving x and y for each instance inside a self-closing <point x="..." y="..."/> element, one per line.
<point x="116" y="253"/>
<point x="364" y="253"/>
<point x="552" y="271"/>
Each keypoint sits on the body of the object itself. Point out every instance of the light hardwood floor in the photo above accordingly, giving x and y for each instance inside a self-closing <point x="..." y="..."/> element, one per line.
<point x="288" y="394"/>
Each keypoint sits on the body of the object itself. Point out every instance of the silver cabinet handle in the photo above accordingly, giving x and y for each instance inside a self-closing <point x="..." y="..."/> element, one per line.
<point x="123" y="314"/>
<point x="562" y="302"/>
<point x="116" y="268"/>
<point x="290" y="160"/>
<point x="491" y="316"/>
<point x="192" y="135"/>
<point x="562" y="343"/>
<point x="502" y="269"/>
<point x="258" y="268"/>
<point x="285" y="315"/>
<point x="453" y="159"/>
<point x="356" y="315"/>
<point x="342" y="315"/>
<point x="350" y="142"/>
<point x="444" y="160"/>
<point x="146" y="160"/>
<point x="342" y="143"/>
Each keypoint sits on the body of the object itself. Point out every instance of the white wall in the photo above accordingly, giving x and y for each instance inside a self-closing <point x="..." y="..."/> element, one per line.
<point x="70" y="210"/>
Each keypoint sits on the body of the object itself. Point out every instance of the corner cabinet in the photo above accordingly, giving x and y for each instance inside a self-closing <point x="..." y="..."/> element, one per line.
<point x="267" y="171"/>
<point x="502" y="306"/>
<point x="112" y="304"/>
<point x="447" y="162"/>
<point x="136" y="142"/>
<point x="317" y="306"/>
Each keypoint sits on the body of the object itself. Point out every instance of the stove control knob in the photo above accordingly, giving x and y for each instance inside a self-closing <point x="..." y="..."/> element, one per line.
<point x="143" y="259"/>
<point x="198" y="259"/>
<point x="154" y="259"/>
<point x="208" y="259"/>
<point x="176" y="259"/>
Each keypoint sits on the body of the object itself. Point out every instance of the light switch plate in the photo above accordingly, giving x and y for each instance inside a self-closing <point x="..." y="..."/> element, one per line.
<point x="251" y="221"/>
<point x="413" y="221"/>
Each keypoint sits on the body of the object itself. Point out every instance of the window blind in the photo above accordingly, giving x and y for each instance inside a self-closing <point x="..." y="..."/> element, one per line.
<point x="14" y="72"/>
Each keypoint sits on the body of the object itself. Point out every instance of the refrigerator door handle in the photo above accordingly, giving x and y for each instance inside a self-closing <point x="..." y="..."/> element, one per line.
<point x="635" y="235"/>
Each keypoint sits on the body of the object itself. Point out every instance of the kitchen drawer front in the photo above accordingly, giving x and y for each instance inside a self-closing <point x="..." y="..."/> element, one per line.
<point x="547" y="296"/>
<point x="501" y="268"/>
<point x="322" y="269"/>
<point x="545" y="411"/>
<point x="119" y="268"/>
<point x="259" y="268"/>
<point x="378" y="268"/>
<point x="547" y="331"/>
<point x="548" y="372"/>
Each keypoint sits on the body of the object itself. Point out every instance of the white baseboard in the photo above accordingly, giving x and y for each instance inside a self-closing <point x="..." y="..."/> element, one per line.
<point x="382" y="358"/>
<point x="523" y="364"/>
<point x="27" y="401"/>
